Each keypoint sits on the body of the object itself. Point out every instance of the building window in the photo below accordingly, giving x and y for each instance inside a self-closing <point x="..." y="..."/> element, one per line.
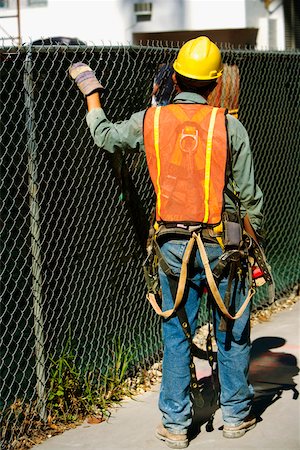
<point x="37" y="2"/>
<point x="143" y="11"/>
<point x="292" y="23"/>
<point x="12" y="4"/>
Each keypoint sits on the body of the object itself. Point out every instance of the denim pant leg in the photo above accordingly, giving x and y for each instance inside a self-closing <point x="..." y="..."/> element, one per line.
<point x="233" y="361"/>
<point x="174" y="399"/>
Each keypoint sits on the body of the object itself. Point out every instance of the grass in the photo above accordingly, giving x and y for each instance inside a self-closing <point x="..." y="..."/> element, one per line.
<point x="71" y="397"/>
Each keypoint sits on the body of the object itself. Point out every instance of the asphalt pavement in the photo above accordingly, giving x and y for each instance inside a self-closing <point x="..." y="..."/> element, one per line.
<point x="274" y="373"/>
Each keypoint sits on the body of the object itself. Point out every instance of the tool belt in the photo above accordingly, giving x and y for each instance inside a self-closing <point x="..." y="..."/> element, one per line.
<point x="181" y="230"/>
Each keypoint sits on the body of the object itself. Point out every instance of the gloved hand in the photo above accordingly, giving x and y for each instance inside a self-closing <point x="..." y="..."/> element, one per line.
<point x="85" y="78"/>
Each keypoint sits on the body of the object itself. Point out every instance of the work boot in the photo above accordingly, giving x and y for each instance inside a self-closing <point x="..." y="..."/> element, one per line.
<point x="232" y="431"/>
<point x="171" y="439"/>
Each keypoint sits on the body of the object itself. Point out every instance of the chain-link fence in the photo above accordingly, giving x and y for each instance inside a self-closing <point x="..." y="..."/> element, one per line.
<point x="75" y="220"/>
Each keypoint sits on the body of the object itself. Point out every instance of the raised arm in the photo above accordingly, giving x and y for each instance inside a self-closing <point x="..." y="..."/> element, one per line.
<point x="112" y="137"/>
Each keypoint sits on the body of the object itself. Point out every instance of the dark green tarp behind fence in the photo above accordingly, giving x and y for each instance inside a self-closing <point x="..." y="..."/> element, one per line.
<point x="91" y="243"/>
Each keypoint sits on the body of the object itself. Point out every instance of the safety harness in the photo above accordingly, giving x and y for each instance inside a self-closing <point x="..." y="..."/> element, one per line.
<point x="196" y="238"/>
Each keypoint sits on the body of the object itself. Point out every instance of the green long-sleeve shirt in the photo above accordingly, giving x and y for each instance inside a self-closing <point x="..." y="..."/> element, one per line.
<point x="128" y="136"/>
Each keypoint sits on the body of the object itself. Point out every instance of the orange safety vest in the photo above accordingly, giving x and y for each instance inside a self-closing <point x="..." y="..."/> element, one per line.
<point x="186" y="151"/>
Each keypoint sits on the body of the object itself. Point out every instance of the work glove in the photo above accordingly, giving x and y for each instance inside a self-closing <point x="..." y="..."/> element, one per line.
<point x="85" y="78"/>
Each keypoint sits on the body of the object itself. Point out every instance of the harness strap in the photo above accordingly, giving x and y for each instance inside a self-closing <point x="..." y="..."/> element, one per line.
<point x="181" y="284"/>
<point x="210" y="280"/>
<point x="224" y="320"/>
<point x="213" y="287"/>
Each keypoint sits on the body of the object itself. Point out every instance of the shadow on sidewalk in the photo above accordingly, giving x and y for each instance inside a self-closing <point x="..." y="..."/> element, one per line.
<point x="270" y="373"/>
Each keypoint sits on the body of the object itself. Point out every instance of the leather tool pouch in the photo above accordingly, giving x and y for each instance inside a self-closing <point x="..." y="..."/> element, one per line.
<point x="232" y="231"/>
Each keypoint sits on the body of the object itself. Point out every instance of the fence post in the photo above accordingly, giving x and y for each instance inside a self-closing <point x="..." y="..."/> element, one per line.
<point x="34" y="211"/>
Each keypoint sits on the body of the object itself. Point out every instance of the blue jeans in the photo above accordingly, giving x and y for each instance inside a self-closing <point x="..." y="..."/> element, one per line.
<point x="233" y="346"/>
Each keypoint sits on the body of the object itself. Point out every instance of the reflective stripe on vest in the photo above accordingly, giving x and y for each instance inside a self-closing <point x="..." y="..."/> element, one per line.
<point x="208" y="161"/>
<point x="186" y="150"/>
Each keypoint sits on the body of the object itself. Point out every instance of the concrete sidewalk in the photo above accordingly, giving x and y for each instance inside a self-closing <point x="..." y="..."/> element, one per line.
<point x="274" y="373"/>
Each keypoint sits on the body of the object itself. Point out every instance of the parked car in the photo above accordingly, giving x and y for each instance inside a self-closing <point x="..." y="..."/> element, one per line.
<point x="59" y="40"/>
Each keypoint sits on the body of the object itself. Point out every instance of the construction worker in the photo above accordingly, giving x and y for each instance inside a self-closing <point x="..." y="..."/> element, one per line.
<point x="199" y="160"/>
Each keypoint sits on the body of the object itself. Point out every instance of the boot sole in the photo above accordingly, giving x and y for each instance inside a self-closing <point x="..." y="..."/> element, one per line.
<point x="172" y="444"/>
<point x="233" y="434"/>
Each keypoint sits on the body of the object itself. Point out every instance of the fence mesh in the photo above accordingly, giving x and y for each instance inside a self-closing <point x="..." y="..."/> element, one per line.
<point x="75" y="220"/>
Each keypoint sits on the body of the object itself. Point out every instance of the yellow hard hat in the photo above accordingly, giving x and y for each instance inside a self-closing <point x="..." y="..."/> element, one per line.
<point x="199" y="59"/>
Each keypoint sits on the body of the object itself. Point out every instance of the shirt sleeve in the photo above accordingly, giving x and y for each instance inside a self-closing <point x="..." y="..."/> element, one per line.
<point x="112" y="137"/>
<point x="243" y="177"/>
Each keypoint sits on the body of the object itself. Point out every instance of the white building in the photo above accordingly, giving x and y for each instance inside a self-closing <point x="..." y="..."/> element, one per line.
<point x="264" y="24"/>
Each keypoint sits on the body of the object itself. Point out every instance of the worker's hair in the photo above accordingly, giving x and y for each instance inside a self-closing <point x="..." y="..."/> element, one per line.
<point x="198" y="86"/>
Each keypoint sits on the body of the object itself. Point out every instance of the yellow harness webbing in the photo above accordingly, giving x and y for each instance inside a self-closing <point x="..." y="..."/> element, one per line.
<point x="210" y="279"/>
